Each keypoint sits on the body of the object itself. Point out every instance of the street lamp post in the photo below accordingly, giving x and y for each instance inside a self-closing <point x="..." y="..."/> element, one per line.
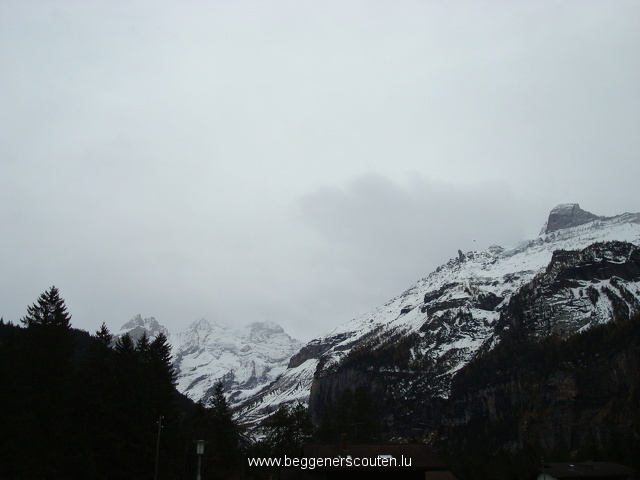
<point x="155" y="475"/>
<point x="200" y="451"/>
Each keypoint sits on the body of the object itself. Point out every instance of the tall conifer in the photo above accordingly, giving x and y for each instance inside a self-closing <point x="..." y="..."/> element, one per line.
<point x="50" y="392"/>
<point x="225" y="446"/>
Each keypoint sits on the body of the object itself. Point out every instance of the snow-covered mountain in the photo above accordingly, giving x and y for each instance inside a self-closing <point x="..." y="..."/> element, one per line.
<point x="458" y="309"/>
<point x="244" y="359"/>
<point x="138" y="325"/>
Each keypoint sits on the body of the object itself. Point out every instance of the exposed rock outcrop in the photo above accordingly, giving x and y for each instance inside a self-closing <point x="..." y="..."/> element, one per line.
<point x="578" y="289"/>
<point x="138" y="326"/>
<point x="568" y="215"/>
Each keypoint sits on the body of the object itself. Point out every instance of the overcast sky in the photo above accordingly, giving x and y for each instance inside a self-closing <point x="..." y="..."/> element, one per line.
<point x="296" y="161"/>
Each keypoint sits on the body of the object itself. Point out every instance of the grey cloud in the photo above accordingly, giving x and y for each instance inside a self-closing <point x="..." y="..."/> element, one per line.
<point x="386" y="232"/>
<point x="209" y="159"/>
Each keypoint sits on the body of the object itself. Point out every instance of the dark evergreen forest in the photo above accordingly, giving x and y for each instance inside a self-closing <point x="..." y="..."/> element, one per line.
<point x="74" y="405"/>
<point x="78" y="406"/>
<point x="594" y="415"/>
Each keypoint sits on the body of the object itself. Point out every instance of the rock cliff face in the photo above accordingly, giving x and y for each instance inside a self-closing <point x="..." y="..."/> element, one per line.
<point x="577" y="290"/>
<point x="559" y="394"/>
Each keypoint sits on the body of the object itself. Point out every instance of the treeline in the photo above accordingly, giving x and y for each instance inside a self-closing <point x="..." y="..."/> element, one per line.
<point x="78" y="406"/>
<point x="74" y="406"/>
<point x="518" y="352"/>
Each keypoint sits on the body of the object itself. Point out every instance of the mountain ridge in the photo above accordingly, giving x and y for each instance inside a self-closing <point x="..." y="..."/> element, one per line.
<point x="451" y="314"/>
<point x="444" y="320"/>
<point x="244" y="359"/>
<point x="137" y="326"/>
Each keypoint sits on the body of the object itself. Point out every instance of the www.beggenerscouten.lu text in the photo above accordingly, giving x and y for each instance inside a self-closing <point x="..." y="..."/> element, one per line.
<point x="333" y="462"/>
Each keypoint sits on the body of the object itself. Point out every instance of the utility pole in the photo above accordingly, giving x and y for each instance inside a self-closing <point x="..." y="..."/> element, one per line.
<point x="155" y="475"/>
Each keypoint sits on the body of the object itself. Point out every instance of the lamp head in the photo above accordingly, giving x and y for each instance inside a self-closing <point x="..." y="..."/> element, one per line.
<point x="200" y="446"/>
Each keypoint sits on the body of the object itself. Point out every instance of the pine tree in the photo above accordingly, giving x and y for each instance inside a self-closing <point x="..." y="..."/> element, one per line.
<point x="161" y="382"/>
<point x="219" y="407"/>
<point x="103" y="336"/>
<point x="352" y="418"/>
<point x="277" y="430"/>
<point x="99" y="416"/>
<point x="287" y="430"/>
<point x="131" y="418"/>
<point x="160" y="357"/>
<point x="363" y="417"/>
<point x="124" y="345"/>
<point x="48" y="333"/>
<point x="224" y="446"/>
<point x="50" y="389"/>
<point x="49" y="310"/>
<point x="142" y="347"/>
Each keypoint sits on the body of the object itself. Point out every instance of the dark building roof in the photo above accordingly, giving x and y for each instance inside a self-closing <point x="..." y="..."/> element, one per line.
<point x="296" y="474"/>
<point x="439" y="475"/>
<point x="587" y="470"/>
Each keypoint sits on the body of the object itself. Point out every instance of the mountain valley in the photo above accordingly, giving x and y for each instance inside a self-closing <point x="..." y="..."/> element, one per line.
<point x="414" y="354"/>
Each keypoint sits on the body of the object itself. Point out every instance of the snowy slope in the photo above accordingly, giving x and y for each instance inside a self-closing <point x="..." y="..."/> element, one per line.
<point x="244" y="359"/>
<point x="454" y="310"/>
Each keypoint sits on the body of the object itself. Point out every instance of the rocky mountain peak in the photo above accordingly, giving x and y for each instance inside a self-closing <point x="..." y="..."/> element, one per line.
<point x="138" y="325"/>
<point x="568" y="215"/>
<point x="201" y="325"/>
<point x="267" y="327"/>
